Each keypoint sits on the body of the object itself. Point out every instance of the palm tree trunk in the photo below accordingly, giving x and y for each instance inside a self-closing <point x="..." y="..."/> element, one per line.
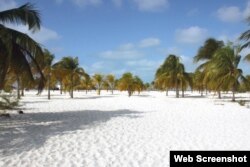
<point x="112" y="90"/>
<point x="71" y="89"/>
<point x="177" y="90"/>
<point x="167" y="92"/>
<point x="22" y="89"/>
<point x="22" y="92"/>
<point x="60" y="87"/>
<point x="98" y="91"/>
<point x="182" y="89"/>
<point x="49" y="86"/>
<point x="86" y="90"/>
<point x="129" y="92"/>
<point x="233" y="90"/>
<point x="219" y="94"/>
<point x="18" y="87"/>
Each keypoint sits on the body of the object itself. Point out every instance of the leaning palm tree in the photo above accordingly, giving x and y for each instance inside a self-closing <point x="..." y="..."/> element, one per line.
<point x="72" y="70"/>
<point x="17" y="50"/>
<point x="224" y="69"/>
<point x="204" y="55"/>
<point x="98" y="81"/>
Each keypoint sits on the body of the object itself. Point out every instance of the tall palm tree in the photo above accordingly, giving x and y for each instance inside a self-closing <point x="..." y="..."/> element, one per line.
<point x="47" y="68"/>
<point x="17" y="50"/>
<point x="72" y="70"/>
<point x="224" y="69"/>
<point x="111" y="82"/>
<point x="204" y="55"/>
<point x="98" y="81"/>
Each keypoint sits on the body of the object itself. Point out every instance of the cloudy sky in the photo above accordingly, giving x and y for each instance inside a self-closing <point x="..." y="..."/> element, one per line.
<point x="117" y="36"/>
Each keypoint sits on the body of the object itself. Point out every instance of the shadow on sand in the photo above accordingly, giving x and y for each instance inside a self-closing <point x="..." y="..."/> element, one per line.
<point x="31" y="130"/>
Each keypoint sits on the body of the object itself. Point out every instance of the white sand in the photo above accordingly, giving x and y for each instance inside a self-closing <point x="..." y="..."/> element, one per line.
<point x="115" y="130"/>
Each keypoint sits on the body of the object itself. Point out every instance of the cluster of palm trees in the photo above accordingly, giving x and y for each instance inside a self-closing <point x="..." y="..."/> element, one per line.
<point x="218" y="70"/>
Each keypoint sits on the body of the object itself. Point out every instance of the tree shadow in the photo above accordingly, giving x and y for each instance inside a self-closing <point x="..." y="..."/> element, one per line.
<point x="31" y="130"/>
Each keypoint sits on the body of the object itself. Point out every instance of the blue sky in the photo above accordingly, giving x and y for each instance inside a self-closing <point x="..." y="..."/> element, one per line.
<point x="117" y="36"/>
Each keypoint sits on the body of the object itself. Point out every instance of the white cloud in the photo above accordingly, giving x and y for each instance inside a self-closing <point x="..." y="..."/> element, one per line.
<point x="117" y="3"/>
<point x="151" y="5"/>
<point x="121" y="54"/>
<point x="149" y="42"/>
<point x="232" y="38"/>
<point x="130" y="50"/>
<point x="98" y="65"/>
<point x="41" y="36"/>
<point x="83" y="3"/>
<point x="246" y="12"/>
<point x="229" y="14"/>
<point x="7" y="4"/>
<point x="191" y="35"/>
<point x="127" y="46"/>
<point x="144" y="63"/>
<point x="233" y="14"/>
<point x="56" y="49"/>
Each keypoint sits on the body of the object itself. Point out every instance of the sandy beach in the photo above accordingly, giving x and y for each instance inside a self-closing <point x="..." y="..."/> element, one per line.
<point x="115" y="130"/>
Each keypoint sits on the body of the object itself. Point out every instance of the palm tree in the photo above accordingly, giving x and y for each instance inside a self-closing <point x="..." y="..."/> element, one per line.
<point x="172" y="74"/>
<point x="224" y="69"/>
<point x="98" y="81"/>
<point x="59" y="74"/>
<point x="198" y="81"/>
<point x="72" y="70"/>
<point x="86" y="82"/>
<point x="47" y="68"/>
<point x="130" y="83"/>
<point x="17" y="50"/>
<point x="138" y="84"/>
<point x="205" y="54"/>
<point x="111" y="82"/>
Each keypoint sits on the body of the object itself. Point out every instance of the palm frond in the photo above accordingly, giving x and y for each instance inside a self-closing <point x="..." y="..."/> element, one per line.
<point x="25" y="15"/>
